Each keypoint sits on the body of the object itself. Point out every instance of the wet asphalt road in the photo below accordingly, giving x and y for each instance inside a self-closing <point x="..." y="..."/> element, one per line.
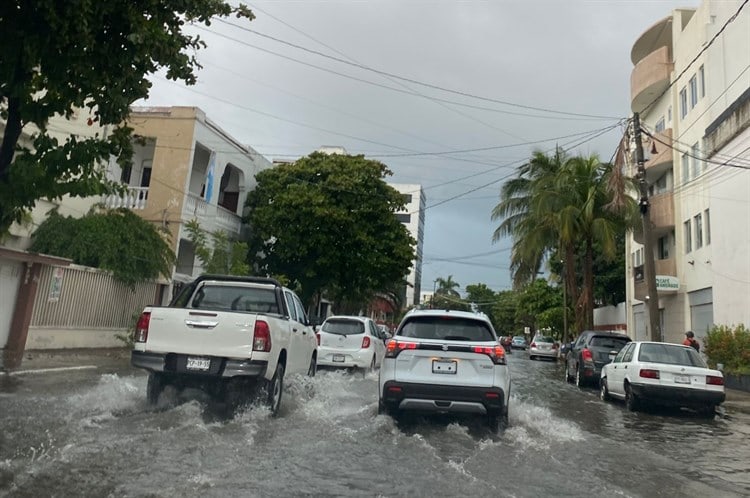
<point x="91" y="433"/>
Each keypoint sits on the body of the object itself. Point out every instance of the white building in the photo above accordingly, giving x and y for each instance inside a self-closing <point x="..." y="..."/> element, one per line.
<point x="412" y="217"/>
<point x="691" y="85"/>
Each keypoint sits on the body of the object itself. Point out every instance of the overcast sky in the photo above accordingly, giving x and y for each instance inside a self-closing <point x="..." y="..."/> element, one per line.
<point x="559" y="55"/>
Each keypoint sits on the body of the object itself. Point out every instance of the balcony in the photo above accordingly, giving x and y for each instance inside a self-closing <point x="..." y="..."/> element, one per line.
<point x="134" y="198"/>
<point x="228" y="221"/>
<point x="657" y="36"/>
<point x="659" y="163"/>
<point x="650" y="77"/>
<point x="195" y="206"/>
<point x="661" y="212"/>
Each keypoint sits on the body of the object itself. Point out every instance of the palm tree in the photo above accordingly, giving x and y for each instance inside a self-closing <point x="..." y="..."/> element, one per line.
<point x="447" y="286"/>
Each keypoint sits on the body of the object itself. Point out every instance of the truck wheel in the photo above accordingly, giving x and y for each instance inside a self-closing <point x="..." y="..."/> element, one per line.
<point x="274" y="389"/>
<point x="155" y="386"/>
<point x="313" y="367"/>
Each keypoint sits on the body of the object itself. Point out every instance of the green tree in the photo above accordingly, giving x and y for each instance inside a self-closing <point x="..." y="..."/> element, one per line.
<point x="117" y="240"/>
<point x="539" y="306"/>
<point x="59" y="57"/>
<point x="218" y="253"/>
<point x="484" y="299"/>
<point x="447" y="287"/>
<point x="328" y="222"/>
<point x="505" y="312"/>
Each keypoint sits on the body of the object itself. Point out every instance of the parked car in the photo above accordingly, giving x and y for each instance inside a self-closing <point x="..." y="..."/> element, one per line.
<point x="385" y="329"/>
<point x="350" y="341"/>
<point x="445" y="362"/>
<point x="589" y="353"/>
<point x="645" y="373"/>
<point x="519" y="342"/>
<point x="565" y="348"/>
<point x="543" y="346"/>
<point x="507" y="343"/>
<point x="235" y="337"/>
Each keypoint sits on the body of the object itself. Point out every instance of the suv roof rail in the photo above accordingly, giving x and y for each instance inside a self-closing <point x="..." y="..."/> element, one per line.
<point x="237" y="278"/>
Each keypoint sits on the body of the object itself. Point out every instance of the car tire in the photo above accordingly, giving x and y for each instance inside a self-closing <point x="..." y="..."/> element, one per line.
<point x="154" y="387"/>
<point x="383" y="409"/>
<point x="604" y="390"/>
<point x="568" y="377"/>
<point x="313" y="368"/>
<point x="580" y="380"/>
<point x="631" y="400"/>
<point x="274" y="389"/>
<point x="531" y="356"/>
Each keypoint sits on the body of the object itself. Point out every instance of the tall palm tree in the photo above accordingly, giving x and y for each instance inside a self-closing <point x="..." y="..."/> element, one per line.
<point x="447" y="286"/>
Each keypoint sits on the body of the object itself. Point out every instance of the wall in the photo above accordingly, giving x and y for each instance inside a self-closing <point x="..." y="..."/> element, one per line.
<point x="610" y="317"/>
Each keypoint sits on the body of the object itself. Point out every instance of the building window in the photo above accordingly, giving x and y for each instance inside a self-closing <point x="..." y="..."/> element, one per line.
<point x="669" y="114"/>
<point x="695" y="151"/>
<point x="663" y="247"/>
<point x="407" y="198"/>
<point x="685" y="168"/>
<point x="661" y="185"/>
<point x="693" y="91"/>
<point x="683" y="103"/>
<point x="702" y="81"/>
<point x="698" y="231"/>
<point x="403" y="217"/>
<point x="688" y="237"/>
<point x="707" y="223"/>
<point x="660" y="125"/>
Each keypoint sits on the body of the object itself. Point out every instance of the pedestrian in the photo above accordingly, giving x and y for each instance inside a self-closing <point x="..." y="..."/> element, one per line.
<point x="690" y="341"/>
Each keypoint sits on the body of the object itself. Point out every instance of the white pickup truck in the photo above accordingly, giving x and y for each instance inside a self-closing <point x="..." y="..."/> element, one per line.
<point x="233" y="337"/>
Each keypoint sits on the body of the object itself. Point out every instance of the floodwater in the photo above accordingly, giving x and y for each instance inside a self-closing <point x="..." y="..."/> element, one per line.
<point x="91" y="433"/>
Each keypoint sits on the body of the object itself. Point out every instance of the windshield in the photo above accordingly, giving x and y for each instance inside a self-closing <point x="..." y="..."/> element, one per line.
<point x="447" y="328"/>
<point x="670" y="355"/>
<point x="343" y="326"/>
<point x="611" y="343"/>
<point x="236" y="298"/>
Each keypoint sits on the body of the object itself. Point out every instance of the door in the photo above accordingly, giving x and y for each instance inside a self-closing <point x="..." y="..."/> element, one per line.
<point x="308" y="343"/>
<point x="295" y="358"/>
<point x="618" y="370"/>
<point x="378" y="340"/>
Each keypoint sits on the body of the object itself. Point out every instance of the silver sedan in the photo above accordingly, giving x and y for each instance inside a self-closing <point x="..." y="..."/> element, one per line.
<point x="543" y="347"/>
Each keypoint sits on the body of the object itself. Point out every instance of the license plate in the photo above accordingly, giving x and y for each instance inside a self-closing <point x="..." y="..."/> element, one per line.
<point x="338" y="358"/>
<point x="198" y="363"/>
<point x="444" y="367"/>
<point x="682" y="379"/>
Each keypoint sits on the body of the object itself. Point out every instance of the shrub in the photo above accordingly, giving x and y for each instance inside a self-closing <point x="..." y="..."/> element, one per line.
<point x="729" y="346"/>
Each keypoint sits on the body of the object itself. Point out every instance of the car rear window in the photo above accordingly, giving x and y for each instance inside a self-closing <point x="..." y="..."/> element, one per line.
<point x="611" y="343"/>
<point x="670" y="355"/>
<point x="544" y="339"/>
<point x="235" y="298"/>
<point x="519" y="338"/>
<point x="343" y="326"/>
<point x="447" y="328"/>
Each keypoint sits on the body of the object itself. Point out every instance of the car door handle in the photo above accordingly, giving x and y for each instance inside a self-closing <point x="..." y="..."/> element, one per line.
<point x="304" y="332"/>
<point x="294" y="330"/>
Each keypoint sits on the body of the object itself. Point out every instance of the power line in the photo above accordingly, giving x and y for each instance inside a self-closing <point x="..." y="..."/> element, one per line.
<point x="695" y="59"/>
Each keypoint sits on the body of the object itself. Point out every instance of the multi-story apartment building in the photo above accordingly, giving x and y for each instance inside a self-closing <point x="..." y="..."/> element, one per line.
<point x="412" y="216"/>
<point x="186" y="167"/>
<point x="691" y="85"/>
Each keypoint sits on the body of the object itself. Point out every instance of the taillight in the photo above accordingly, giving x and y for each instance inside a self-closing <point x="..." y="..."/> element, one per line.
<point x="394" y="347"/>
<point x="533" y="344"/>
<point x="261" y="337"/>
<point x="586" y="355"/>
<point x="647" y="373"/>
<point x="365" y="342"/>
<point x="496" y="353"/>
<point x="141" y="328"/>
<point x="714" y="380"/>
<point x="317" y="337"/>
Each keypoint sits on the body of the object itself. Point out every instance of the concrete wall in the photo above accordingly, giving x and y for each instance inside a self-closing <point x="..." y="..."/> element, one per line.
<point x="60" y="338"/>
<point x="610" y="317"/>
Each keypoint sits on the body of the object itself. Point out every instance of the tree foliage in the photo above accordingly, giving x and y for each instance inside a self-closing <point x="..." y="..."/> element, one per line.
<point x="118" y="241"/>
<point x="447" y="286"/>
<point x="218" y="253"/>
<point x="328" y="222"/>
<point x="484" y="299"/>
<point x="539" y="306"/>
<point x="59" y="57"/>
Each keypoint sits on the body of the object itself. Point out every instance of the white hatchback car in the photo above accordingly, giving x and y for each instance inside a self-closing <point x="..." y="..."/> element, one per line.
<point x="442" y="361"/>
<point x="664" y="374"/>
<point x="350" y="341"/>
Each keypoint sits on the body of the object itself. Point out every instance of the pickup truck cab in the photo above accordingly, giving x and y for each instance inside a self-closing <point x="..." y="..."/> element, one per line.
<point x="233" y="337"/>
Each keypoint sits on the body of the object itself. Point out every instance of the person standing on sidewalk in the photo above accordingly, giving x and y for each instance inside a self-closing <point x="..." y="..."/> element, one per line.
<point x="690" y="341"/>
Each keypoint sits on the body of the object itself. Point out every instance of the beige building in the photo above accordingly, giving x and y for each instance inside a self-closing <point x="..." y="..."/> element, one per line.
<point x="186" y="167"/>
<point x="691" y="85"/>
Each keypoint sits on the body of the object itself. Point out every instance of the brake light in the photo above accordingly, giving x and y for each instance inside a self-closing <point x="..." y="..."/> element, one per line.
<point x="714" y="380"/>
<point x="496" y="353"/>
<point x="141" y="328"/>
<point x="586" y="354"/>
<point x="365" y="342"/>
<point x="261" y="337"/>
<point x="492" y="395"/>
<point x="647" y="373"/>
<point x="394" y="347"/>
<point x="533" y="344"/>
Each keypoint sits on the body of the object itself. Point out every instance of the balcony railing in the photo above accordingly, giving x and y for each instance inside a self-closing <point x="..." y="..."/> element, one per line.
<point x="228" y="220"/>
<point x="195" y="206"/>
<point x="650" y="77"/>
<point x="133" y="198"/>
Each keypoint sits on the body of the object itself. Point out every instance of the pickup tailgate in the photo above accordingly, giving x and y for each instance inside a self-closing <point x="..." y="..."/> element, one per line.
<point x="202" y="332"/>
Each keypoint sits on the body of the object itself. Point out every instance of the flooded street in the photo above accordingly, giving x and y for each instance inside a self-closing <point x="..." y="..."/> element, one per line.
<point x="91" y="433"/>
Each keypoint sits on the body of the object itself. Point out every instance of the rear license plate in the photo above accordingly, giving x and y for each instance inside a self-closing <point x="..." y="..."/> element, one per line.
<point x="339" y="358"/>
<point x="198" y="363"/>
<point x="444" y="367"/>
<point x="682" y="379"/>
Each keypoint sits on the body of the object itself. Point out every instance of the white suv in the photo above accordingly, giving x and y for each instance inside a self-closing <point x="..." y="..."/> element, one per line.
<point x="445" y="362"/>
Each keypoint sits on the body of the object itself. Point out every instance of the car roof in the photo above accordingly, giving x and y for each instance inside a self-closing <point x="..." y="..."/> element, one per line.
<point x="455" y="313"/>
<point x="605" y="333"/>
<point x="348" y="317"/>
<point x="664" y="343"/>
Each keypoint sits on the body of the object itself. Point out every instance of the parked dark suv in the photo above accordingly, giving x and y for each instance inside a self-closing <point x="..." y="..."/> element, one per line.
<point x="589" y="353"/>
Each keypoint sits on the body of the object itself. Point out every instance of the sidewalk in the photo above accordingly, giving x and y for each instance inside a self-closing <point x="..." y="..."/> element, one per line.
<point x="41" y="361"/>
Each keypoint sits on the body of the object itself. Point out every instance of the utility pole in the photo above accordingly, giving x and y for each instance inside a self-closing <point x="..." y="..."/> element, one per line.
<point x="649" y="271"/>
